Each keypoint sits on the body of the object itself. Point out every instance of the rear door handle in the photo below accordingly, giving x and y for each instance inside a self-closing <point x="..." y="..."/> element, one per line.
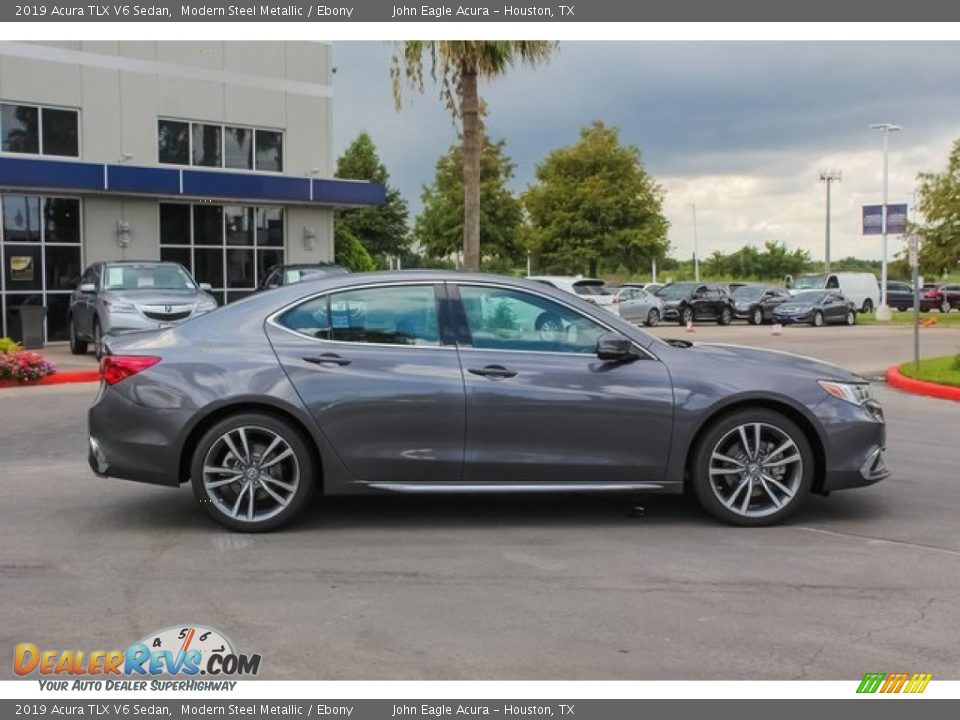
<point x="331" y="358"/>
<point x="493" y="371"/>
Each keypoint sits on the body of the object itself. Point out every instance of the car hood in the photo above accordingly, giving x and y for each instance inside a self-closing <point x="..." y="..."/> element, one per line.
<point x="744" y="360"/>
<point x="155" y="297"/>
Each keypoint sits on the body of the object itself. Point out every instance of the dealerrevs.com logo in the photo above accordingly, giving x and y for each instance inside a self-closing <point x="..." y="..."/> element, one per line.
<point x="179" y="651"/>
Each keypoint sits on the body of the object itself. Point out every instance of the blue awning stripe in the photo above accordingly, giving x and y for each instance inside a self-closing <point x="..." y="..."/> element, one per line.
<point x="65" y="175"/>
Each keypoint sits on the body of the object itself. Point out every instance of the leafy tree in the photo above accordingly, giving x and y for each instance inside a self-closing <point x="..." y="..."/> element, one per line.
<point x="381" y="229"/>
<point x="594" y="201"/>
<point x="349" y="251"/>
<point x="460" y="65"/>
<point x="939" y="202"/>
<point x="439" y="228"/>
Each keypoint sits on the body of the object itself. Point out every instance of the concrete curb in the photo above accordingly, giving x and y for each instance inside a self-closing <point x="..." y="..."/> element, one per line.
<point x="57" y="378"/>
<point x="920" y="387"/>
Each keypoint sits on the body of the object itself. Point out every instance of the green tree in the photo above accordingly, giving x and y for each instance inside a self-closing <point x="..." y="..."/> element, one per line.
<point x="381" y="229"/>
<point x="460" y="64"/>
<point x="439" y="227"/>
<point x="594" y="201"/>
<point x="349" y="251"/>
<point x="938" y="199"/>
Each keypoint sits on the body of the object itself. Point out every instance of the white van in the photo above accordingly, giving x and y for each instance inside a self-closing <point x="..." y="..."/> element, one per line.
<point x="861" y="288"/>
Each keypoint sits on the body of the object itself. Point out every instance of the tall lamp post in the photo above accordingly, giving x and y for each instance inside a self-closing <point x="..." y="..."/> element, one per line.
<point x="883" y="312"/>
<point x="828" y="178"/>
<point x="696" y="253"/>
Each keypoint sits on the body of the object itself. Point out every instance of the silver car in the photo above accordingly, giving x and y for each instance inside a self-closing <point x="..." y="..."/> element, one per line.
<point x="118" y="297"/>
<point x="638" y="305"/>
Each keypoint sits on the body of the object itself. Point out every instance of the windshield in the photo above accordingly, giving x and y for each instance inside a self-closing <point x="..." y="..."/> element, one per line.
<point x="675" y="290"/>
<point x="166" y="276"/>
<point x="808" y="282"/>
<point x="748" y="292"/>
<point x="590" y="288"/>
<point x="811" y="297"/>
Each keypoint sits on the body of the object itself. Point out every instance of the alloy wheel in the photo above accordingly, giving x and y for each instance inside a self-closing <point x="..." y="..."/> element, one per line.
<point x="653" y="317"/>
<point x="251" y="474"/>
<point x="757" y="316"/>
<point x="755" y="470"/>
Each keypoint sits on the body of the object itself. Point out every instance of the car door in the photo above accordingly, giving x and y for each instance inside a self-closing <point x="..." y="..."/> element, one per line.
<point x="834" y="308"/>
<point x="540" y="405"/>
<point x="700" y="302"/>
<point x="631" y="304"/>
<point x="385" y="390"/>
<point x="771" y="299"/>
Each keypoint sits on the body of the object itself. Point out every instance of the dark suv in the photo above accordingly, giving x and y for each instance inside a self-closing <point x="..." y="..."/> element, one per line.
<point x="685" y="302"/>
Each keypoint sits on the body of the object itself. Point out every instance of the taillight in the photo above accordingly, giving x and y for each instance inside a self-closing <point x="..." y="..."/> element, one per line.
<point x="615" y="301"/>
<point x="114" y="368"/>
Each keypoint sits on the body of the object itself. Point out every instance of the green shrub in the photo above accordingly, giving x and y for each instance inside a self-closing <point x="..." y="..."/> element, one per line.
<point x="8" y="346"/>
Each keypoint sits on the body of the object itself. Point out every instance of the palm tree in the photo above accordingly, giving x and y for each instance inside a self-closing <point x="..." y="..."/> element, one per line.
<point x="461" y="63"/>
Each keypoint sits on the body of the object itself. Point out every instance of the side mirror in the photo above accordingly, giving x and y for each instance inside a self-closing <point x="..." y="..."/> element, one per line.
<point x="206" y="287"/>
<point x="613" y="346"/>
<point x="88" y="288"/>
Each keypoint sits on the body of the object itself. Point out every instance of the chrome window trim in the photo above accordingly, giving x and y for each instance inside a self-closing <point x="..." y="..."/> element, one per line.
<point x="272" y="318"/>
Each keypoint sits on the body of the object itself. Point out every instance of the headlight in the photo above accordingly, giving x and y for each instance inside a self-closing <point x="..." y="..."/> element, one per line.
<point x="853" y="393"/>
<point x="120" y="307"/>
<point x="206" y="306"/>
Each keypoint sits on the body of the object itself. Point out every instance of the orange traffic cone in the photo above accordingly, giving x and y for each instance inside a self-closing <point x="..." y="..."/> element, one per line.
<point x="929" y="322"/>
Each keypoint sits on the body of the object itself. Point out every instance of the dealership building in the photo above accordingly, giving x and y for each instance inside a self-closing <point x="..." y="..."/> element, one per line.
<point x="216" y="155"/>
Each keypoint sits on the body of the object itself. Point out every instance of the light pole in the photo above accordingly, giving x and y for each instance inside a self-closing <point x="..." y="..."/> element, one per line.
<point x="883" y="312"/>
<point x="828" y="177"/>
<point x="696" y="254"/>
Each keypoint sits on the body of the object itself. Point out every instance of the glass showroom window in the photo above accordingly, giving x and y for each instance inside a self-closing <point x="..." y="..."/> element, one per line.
<point x="232" y="247"/>
<point x="36" y="130"/>
<point x="181" y="142"/>
<point x="40" y="251"/>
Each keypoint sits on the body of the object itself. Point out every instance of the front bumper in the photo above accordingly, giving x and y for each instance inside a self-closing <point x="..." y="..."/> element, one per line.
<point x="790" y="318"/>
<point x="855" y="444"/>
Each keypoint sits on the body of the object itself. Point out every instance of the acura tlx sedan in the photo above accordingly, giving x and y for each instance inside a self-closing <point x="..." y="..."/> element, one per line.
<point x="440" y="382"/>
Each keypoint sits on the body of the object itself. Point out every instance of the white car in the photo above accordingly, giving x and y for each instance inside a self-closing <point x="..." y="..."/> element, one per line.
<point x="590" y="289"/>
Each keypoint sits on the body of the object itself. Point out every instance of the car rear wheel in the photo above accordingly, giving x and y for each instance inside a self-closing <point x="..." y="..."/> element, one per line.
<point x="752" y="467"/>
<point x="867" y="306"/>
<point x="756" y="316"/>
<point x="653" y="317"/>
<point x="726" y="316"/>
<point x="77" y="346"/>
<point x="252" y="472"/>
<point x="817" y="320"/>
<point x="686" y="315"/>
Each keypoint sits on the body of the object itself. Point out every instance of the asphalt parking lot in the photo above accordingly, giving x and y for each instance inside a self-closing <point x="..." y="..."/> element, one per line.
<point x="496" y="588"/>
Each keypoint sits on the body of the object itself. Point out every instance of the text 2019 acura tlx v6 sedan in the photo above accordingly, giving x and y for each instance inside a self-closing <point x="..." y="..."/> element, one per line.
<point x="431" y="381"/>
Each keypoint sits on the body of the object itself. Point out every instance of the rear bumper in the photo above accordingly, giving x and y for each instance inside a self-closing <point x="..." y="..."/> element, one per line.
<point x="133" y="442"/>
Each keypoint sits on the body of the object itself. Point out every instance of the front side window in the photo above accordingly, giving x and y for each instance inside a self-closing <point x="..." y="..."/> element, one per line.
<point x="403" y="315"/>
<point x="503" y="319"/>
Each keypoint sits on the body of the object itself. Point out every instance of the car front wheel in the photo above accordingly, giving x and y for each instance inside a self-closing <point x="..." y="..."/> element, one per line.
<point x="77" y="346"/>
<point x="686" y="316"/>
<point x="726" y="316"/>
<point x="756" y="317"/>
<point x="851" y="317"/>
<point x="752" y="467"/>
<point x="252" y="472"/>
<point x="817" y="319"/>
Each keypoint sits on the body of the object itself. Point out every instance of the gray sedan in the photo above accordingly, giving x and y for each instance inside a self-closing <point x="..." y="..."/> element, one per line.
<point x="637" y="305"/>
<point x="437" y="382"/>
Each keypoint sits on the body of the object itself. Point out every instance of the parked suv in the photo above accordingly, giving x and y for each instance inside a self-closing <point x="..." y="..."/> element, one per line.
<point x="592" y="290"/>
<point x="755" y="303"/>
<point x="684" y="302"/>
<point x="117" y="297"/>
<point x="899" y="295"/>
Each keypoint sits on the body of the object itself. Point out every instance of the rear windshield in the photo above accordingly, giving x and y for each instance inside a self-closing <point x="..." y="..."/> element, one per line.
<point x="587" y="287"/>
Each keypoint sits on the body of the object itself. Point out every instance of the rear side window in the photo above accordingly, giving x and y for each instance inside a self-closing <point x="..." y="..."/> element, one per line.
<point x="404" y="315"/>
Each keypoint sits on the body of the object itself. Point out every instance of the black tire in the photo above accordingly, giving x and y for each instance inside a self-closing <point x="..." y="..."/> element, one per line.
<point x="867" y="306"/>
<point x="97" y="339"/>
<point x="726" y="316"/>
<point x="756" y="316"/>
<point x="301" y="459"/>
<point x="801" y="477"/>
<point x="817" y="320"/>
<point x="686" y="315"/>
<point x="850" y="318"/>
<point x="549" y="325"/>
<point x="653" y="318"/>
<point x="77" y="346"/>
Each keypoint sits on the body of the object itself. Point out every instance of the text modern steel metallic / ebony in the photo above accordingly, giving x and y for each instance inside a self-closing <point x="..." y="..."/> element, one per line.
<point x="430" y="382"/>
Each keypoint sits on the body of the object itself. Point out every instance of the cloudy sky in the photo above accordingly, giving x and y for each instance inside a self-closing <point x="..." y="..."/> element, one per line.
<point x="740" y="129"/>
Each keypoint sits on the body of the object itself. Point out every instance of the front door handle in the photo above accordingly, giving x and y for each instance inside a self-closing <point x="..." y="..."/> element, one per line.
<point x="331" y="358"/>
<point x="495" y="372"/>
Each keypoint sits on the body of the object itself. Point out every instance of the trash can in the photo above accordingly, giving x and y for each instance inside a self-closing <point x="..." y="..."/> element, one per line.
<point x="25" y="325"/>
